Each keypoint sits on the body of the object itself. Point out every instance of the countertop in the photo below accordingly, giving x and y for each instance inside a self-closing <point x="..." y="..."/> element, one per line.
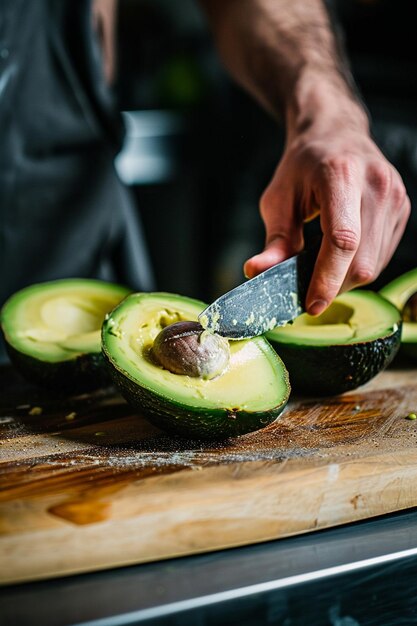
<point x="362" y="573"/>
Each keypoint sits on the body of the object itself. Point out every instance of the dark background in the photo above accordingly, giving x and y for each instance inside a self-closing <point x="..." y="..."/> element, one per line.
<point x="209" y="151"/>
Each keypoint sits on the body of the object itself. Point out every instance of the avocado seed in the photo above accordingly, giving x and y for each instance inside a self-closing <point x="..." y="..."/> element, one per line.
<point x="186" y="348"/>
<point x="410" y="309"/>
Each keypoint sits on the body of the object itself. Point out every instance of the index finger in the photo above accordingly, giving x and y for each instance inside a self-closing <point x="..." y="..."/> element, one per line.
<point x="340" y="219"/>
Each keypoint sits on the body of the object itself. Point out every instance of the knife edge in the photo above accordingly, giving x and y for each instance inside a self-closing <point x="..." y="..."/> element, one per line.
<point x="271" y="299"/>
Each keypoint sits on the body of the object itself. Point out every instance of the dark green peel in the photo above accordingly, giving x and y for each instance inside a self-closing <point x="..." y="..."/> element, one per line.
<point x="331" y="370"/>
<point x="190" y="422"/>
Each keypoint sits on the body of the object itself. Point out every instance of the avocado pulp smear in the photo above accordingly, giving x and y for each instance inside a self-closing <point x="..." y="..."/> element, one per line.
<point x="344" y="347"/>
<point x="53" y="331"/>
<point x="248" y="395"/>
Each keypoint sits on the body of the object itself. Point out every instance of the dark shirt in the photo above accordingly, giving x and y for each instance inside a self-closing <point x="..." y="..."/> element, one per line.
<point x="63" y="211"/>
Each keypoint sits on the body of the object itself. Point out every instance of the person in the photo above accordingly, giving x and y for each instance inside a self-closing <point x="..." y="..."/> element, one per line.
<point x="63" y="211"/>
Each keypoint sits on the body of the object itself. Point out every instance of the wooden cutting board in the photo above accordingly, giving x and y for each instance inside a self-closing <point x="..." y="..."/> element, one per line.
<point x="88" y="484"/>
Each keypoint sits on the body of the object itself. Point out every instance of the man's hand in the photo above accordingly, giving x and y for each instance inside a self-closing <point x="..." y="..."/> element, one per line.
<point x="286" y="54"/>
<point x="362" y="201"/>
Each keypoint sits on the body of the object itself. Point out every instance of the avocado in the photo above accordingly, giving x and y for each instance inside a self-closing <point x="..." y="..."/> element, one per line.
<point x="247" y="392"/>
<point x="52" y="332"/>
<point x="402" y="292"/>
<point x="356" y="337"/>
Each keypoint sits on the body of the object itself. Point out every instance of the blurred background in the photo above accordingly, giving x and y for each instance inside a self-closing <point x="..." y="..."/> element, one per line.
<point x="198" y="152"/>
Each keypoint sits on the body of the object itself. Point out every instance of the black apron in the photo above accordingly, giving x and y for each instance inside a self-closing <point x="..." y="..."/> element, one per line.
<point x="63" y="211"/>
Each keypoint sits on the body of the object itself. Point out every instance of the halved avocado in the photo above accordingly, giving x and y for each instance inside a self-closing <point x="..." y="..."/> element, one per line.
<point x="52" y="332"/>
<point x="402" y="292"/>
<point x="249" y="394"/>
<point x="341" y="349"/>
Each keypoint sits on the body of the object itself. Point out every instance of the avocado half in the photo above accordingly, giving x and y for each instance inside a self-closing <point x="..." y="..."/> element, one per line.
<point x="341" y="349"/>
<point x="247" y="396"/>
<point x="402" y="292"/>
<point x="52" y="332"/>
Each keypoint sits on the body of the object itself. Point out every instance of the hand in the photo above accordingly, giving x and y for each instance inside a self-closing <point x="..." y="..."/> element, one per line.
<point x="363" y="205"/>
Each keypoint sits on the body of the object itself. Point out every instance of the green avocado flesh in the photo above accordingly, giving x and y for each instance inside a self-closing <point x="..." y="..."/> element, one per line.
<point x="53" y="330"/>
<point x="248" y="395"/>
<point x="344" y="347"/>
<point x="402" y="292"/>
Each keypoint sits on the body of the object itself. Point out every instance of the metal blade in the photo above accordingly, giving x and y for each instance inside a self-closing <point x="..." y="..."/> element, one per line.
<point x="271" y="299"/>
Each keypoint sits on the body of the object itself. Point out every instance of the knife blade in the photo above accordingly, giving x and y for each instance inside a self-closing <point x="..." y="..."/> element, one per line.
<point x="273" y="298"/>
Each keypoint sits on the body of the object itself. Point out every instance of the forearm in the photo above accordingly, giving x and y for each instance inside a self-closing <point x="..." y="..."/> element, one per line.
<point x="285" y="53"/>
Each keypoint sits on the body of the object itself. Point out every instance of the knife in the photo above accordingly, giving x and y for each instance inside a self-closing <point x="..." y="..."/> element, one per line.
<point x="273" y="298"/>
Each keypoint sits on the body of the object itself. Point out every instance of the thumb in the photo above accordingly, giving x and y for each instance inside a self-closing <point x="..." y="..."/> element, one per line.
<point x="277" y="249"/>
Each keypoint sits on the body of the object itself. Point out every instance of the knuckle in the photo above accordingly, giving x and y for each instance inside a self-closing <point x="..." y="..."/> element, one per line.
<point x="407" y="207"/>
<point x="399" y="195"/>
<point x="345" y="239"/>
<point x="339" y="166"/>
<point x="379" y="177"/>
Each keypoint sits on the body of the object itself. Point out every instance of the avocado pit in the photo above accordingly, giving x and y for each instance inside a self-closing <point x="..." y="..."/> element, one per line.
<point x="409" y="313"/>
<point x="186" y="348"/>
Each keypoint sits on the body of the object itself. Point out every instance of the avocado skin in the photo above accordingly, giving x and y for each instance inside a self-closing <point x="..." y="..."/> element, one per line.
<point x="83" y="373"/>
<point x="331" y="370"/>
<point x="190" y="423"/>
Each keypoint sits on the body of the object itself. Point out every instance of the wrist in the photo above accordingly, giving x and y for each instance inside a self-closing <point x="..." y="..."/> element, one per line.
<point x="325" y="103"/>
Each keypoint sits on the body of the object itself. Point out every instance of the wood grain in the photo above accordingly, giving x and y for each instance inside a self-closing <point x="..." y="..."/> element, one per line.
<point x="86" y="484"/>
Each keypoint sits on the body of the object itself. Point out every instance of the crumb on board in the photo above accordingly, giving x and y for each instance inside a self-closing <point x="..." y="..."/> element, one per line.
<point x="71" y="416"/>
<point x="36" y="410"/>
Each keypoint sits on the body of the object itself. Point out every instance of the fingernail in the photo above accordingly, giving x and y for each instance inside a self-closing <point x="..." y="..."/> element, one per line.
<point x="245" y="271"/>
<point x="317" y="307"/>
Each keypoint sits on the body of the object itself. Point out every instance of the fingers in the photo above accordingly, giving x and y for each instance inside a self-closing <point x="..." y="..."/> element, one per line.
<point x="340" y="201"/>
<point x="384" y="214"/>
<point x="375" y="221"/>
<point x="363" y="219"/>
<point x="284" y="235"/>
<point x="392" y="242"/>
<point x="364" y="209"/>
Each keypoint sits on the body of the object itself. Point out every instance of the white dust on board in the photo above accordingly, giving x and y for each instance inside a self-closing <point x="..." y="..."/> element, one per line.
<point x="127" y="458"/>
<point x="109" y="445"/>
<point x="158" y="451"/>
<point x="185" y="458"/>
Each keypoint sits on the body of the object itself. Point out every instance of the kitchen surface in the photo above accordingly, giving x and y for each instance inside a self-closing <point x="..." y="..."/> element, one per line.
<point x="81" y="491"/>
<point x="361" y="573"/>
<point x="89" y="484"/>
